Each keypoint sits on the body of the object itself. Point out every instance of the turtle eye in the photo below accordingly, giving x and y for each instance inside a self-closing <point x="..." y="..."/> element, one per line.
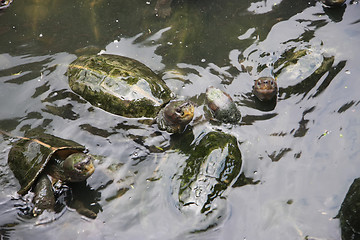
<point x="272" y="83"/>
<point x="259" y="83"/>
<point x="179" y="111"/>
<point x="80" y="166"/>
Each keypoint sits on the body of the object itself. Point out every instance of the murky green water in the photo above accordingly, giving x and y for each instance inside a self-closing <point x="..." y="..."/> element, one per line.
<point x="299" y="156"/>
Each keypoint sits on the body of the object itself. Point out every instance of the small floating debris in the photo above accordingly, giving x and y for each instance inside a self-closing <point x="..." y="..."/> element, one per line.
<point x="326" y="132"/>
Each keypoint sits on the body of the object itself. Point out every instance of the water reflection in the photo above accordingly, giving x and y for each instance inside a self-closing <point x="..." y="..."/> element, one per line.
<point x="85" y="199"/>
<point x="227" y="44"/>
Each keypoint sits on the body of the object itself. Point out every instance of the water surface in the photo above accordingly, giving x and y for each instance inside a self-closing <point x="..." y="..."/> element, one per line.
<point x="299" y="155"/>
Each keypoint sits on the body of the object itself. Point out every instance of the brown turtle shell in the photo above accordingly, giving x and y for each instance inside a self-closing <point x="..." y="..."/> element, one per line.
<point x="29" y="156"/>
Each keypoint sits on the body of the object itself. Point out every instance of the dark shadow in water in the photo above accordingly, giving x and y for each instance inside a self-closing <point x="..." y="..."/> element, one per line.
<point x="96" y="131"/>
<point x="335" y="14"/>
<point x="349" y="213"/>
<point x="63" y="94"/>
<point x="347" y="106"/>
<point x="250" y="100"/>
<point x="64" y="111"/>
<point x="250" y="119"/>
<point x="9" y="124"/>
<point x="302" y="130"/>
<point x="242" y="180"/>
<point x="25" y="72"/>
<point x="12" y="123"/>
<point x="276" y="156"/>
<point x="333" y="71"/>
<point x="183" y="141"/>
<point x="265" y="106"/>
<point x="85" y="199"/>
<point x="42" y="89"/>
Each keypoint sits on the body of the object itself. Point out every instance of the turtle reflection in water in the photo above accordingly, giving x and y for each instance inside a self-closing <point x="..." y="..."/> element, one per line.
<point x="34" y="161"/>
<point x="214" y="163"/>
<point x="126" y="87"/>
<point x="265" y="88"/>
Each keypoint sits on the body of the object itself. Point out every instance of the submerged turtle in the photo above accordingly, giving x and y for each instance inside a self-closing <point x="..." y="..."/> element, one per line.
<point x="5" y="4"/>
<point x="126" y="87"/>
<point x="333" y="3"/>
<point x="265" y="88"/>
<point x="222" y="106"/>
<point x="213" y="165"/>
<point x="33" y="160"/>
<point x="349" y="213"/>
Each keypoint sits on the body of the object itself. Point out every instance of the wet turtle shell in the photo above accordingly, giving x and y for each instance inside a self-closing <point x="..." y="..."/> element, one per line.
<point x="214" y="163"/>
<point x="222" y="106"/>
<point x="119" y="85"/>
<point x="29" y="157"/>
<point x="349" y="212"/>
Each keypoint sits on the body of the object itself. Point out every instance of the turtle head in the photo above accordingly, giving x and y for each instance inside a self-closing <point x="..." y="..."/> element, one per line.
<point x="265" y="88"/>
<point x="179" y="112"/>
<point x="78" y="167"/>
<point x="175" y="116"/>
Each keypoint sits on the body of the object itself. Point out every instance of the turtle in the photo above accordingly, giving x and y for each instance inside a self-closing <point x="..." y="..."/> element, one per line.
<point x="333" y="3"/>
<point x="126" y="87"/>
<point x="213" y="164"/>
<point x="349" y="212"/>
<point x="38" y="161"/>
<point x="222" y="106"/>
<point x="175" y="116"/>
<point x="5" y="4"/>
<point x="265" y="88"/>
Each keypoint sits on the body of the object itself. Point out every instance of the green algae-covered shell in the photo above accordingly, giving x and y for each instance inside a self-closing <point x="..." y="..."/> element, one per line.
<point x="213" y="164"/>
<point x="119" y="85"/>
<point x="29" y="156"/>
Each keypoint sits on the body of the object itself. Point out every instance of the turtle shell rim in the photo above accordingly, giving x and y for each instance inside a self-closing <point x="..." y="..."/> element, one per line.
<point x="25" y="189"/>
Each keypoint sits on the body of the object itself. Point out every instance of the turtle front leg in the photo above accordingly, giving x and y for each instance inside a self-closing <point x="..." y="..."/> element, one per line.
<point x="44" y="195"/>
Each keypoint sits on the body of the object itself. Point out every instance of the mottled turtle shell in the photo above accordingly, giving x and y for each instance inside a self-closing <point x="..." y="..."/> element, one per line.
<point x="119" y="85"/>
<point x="29" y="156"/>
<point x="214" y="163"/>
<point x="349" y="212"/>
<point x="221" y="104"/>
